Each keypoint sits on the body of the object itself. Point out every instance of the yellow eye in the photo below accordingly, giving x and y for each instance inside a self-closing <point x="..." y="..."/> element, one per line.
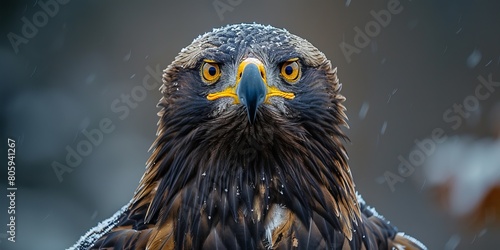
<point x="290" y="71"/>
<point x="210" y="71"/>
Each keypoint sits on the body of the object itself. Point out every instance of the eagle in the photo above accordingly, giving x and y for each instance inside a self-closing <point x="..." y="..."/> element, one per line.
<point x="249" y="155"/>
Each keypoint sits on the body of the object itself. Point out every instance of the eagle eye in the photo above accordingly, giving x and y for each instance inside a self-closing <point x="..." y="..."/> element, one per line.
<point x="210" y="71"/>
<point x="290" y="71"/>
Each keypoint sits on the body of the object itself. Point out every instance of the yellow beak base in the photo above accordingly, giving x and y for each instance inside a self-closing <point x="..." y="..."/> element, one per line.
<point x="231" y="91"/>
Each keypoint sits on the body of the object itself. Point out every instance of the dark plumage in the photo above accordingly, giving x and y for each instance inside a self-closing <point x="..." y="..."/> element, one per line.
<point x="249" y="155"/>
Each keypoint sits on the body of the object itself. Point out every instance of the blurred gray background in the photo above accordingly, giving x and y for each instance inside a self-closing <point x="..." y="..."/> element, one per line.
<point x="65" y="77"/>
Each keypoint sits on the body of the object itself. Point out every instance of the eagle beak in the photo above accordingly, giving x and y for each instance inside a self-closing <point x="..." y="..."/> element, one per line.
<point x="251" y="86"/>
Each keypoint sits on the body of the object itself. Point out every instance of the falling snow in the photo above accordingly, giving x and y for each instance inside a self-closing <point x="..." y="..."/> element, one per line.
<point x="474" y="58"/>
<point x="384" y="127"/>
<point x="127" y="56"/>
<point x="452" y="243"/>
<point x="391" y="94"/>
<point x="363" y="110"/>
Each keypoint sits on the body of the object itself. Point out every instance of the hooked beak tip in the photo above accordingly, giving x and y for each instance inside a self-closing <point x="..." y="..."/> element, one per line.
<point x="251" y="90"/>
